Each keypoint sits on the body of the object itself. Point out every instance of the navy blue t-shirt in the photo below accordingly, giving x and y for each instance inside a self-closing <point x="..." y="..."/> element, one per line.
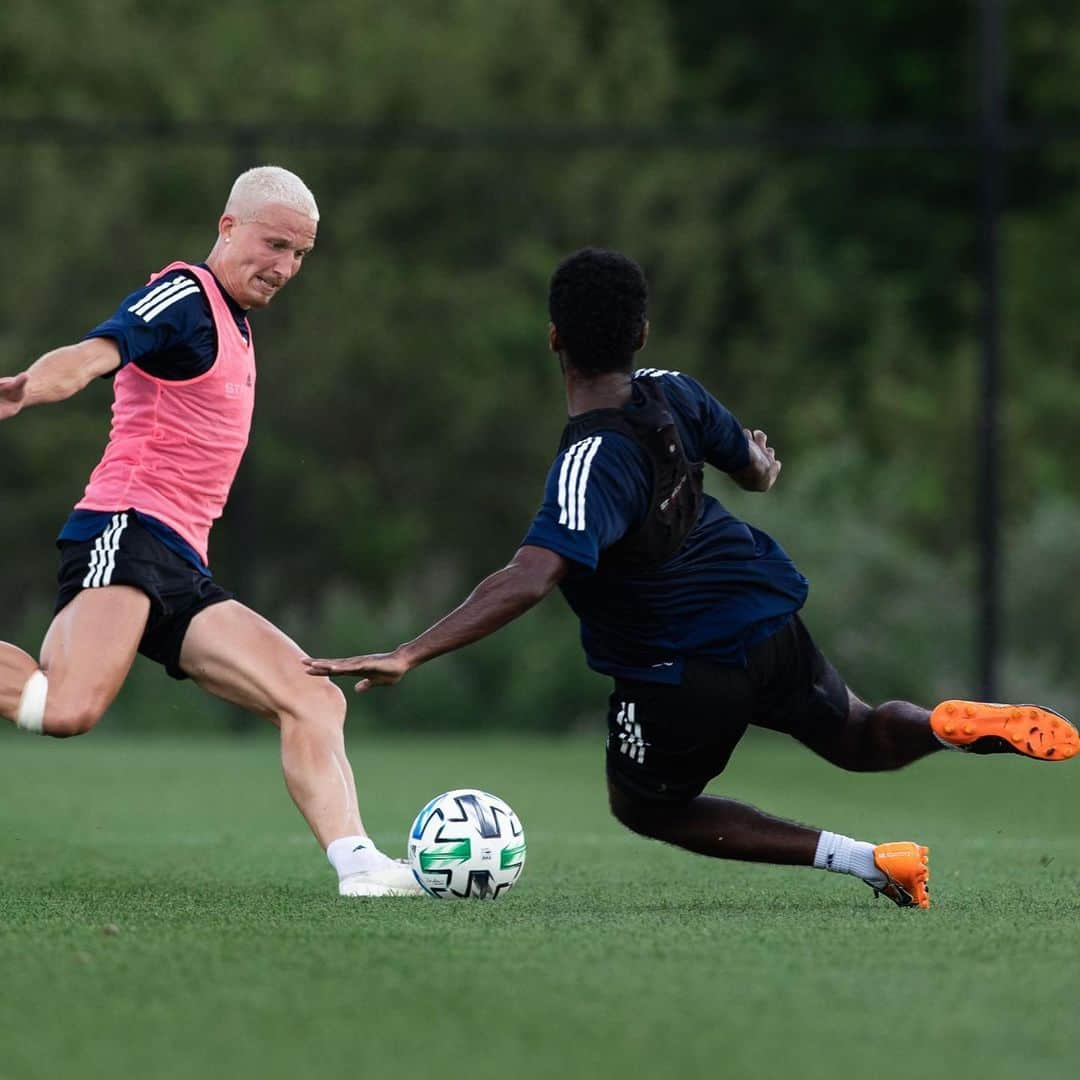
<point x="166" y="329"/>
<point x="729" y="585"/>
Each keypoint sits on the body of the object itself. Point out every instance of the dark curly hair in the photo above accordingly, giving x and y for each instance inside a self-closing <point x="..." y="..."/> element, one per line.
<point x="598" y="301"/>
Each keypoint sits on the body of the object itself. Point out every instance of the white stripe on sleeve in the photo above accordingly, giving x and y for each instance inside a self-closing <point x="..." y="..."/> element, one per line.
<point x="583" y="482"/>
<point x="571" y="483"/>
<point x="169" y="300"/>
<point x="155" y="294"/>
<point x="563" y="473"/>
<point x="573" y="478"/>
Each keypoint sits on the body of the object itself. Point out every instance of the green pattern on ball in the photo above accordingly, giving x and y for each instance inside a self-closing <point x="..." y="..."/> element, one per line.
<point x="443" y="855"/>
<point x="511" y="855"/>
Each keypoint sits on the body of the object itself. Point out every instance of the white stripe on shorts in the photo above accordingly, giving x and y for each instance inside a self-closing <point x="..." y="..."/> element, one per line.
<point x="114" y="548"/>
<point x="93" y="560"/>
<point x="97" y="555"/>
<point x="103" y="555"/>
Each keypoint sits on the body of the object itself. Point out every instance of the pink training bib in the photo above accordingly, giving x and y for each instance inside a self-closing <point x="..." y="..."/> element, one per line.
<point x="174" y="447"/>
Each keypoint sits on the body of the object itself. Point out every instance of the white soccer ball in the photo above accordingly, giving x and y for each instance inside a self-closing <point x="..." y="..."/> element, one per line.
<point x="466" y="844"/>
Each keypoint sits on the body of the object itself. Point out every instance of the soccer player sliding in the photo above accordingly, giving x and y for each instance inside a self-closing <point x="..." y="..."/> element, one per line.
<point x="692" y="612"/>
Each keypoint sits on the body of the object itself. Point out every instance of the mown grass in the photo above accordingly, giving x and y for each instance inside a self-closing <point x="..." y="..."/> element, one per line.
<point x="164" y="913"/>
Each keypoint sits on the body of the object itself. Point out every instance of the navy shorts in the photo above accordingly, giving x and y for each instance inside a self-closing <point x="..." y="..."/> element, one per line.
<point x="127" y="553"/>
<point x="665" y="743"/>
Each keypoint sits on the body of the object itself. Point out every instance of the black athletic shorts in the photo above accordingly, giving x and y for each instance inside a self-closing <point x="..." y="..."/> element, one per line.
<point x="127" y="553"/>
<point x="665" y="743"/>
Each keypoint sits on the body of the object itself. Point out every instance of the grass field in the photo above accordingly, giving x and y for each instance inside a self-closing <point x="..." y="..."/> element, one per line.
<point x="164" y="913"/>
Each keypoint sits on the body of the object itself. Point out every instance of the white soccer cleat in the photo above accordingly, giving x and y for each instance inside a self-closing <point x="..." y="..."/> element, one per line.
<point x="389" y="877"/>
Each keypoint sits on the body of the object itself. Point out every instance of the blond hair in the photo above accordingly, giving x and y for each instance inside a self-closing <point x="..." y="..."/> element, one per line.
<point x="269" y="184"/>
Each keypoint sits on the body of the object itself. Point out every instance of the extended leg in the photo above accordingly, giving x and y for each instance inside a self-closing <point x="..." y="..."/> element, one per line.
<point x="897" y="733"/>
<point x="236" y="654"/>
<point x="873" y="739"/>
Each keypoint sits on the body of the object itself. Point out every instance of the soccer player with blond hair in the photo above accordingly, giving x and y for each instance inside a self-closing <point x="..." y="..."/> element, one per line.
<point x="134" y="571"/>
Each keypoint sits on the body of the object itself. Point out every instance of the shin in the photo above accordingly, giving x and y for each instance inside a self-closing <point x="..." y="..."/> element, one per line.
<point x="722" y="828"/>
<point x="318" y="776"/>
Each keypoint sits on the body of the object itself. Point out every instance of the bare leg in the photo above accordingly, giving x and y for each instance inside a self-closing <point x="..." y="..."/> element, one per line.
<point x="889" y="736"/>
<point x="722" y="828"/>
<point x="87" y="653"/>
<point x="236" y="654"/>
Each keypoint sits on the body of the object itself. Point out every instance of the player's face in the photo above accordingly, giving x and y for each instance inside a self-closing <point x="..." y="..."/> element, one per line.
<point x="262" y="254"/>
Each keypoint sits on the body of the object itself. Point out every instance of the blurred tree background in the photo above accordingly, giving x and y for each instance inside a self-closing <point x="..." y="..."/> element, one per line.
<point x="825" y="289"/>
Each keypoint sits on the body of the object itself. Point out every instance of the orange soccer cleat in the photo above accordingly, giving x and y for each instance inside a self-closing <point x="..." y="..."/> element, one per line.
<point x="907" y="868"/>
<point x="984" y="728"/>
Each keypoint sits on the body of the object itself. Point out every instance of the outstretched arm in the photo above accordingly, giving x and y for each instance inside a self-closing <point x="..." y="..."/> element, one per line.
<point x="764" y="467"/>
<point x="498" y="599"/>
<point x="58" y="375"/>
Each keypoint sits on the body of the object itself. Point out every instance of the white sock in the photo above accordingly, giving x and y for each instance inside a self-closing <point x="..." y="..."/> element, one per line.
<point x="842" y="855"/>
<point x="353" y="855"/>
<point x="31" y="713"/>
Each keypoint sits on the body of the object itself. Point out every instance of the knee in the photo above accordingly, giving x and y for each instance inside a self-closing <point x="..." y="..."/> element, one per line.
<point x="316" y="702"/>
<point x="873" y="749"/>
<point x="637" y="816"/>
<point x="63" y="720"/>
<point x="328" y="700"/>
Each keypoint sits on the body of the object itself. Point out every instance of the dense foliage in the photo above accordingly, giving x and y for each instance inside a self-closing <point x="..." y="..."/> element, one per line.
<point x="408" y="407"/>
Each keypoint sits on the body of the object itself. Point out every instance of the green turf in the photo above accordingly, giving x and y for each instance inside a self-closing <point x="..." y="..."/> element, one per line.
<point x="163" y="913"/>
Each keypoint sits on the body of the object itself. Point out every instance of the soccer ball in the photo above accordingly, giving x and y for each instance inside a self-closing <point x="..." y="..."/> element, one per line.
<point x="466" y="844"/>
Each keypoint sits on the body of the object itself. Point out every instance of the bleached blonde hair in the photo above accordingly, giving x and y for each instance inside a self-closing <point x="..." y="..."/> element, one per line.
<point x="269" y="184"/>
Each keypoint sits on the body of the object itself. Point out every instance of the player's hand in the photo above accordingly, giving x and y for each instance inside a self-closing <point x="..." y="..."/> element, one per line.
<point x="768" y="463"/>
<point x="12" y="395"/>
<point x="378" y="669"/>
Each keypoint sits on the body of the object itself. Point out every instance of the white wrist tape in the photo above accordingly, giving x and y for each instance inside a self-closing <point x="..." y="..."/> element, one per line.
<point x="31" y="714"/>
